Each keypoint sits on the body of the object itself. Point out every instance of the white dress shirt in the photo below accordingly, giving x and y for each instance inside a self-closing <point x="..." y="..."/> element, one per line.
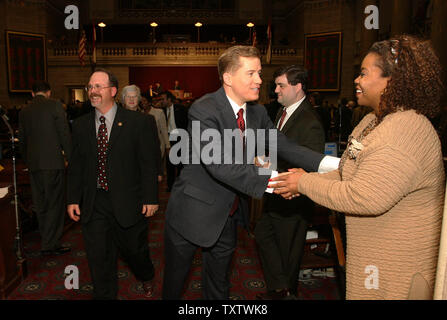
<point x="236" y="109"/>
<point x="110" y="117"/>
<point x="290" y="110"/>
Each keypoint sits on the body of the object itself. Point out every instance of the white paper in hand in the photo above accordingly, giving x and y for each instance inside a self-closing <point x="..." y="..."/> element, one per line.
<point x="274" y="175"/>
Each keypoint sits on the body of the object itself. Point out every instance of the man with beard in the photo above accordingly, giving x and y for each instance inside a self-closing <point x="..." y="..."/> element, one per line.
<point x="112" y="186"/>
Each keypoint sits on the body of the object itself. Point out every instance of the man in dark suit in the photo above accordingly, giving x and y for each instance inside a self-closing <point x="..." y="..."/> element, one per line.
<point x="44" y="139"/>
<point x="316" y="101"/>
<point x="176" y="118"/>
<point x="211" y="196"/>
<point x="112" y="186"/>
<point x="281" y="231"/>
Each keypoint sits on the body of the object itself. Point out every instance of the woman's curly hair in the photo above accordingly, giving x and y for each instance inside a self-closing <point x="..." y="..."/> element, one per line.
<point x="416" y="80"/>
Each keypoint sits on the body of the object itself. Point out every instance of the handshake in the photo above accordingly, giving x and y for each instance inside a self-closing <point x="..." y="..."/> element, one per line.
<point x="285" y="183"/>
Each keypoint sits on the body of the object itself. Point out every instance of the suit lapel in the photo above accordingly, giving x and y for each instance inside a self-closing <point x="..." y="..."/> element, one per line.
<point x="92" y="131"/>
<point x="293" y="118"/>
<point x="226" y="110"/>
<point x="278" y="116"/>
<point x="251" y="117"/>
<point x="118" y="123"/>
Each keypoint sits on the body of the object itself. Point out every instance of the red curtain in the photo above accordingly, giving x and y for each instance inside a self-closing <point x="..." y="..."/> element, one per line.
<point x="197" y="80"/>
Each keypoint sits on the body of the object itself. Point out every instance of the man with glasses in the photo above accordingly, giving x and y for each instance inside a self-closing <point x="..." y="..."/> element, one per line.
<point x="112" y="186"/>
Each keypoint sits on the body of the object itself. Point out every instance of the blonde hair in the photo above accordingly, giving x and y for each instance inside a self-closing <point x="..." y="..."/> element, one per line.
<point x="229" y="60"/>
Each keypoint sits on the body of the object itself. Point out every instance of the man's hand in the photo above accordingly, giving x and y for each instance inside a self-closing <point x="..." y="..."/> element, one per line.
<point x="287" y="184"/>
<point x="160" y="178"/>
<point x="149" y="210"/>
<point x="261" y="161"/>
<point x="74" y="212"/>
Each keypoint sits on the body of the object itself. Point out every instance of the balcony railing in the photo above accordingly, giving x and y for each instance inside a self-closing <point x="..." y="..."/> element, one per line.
<point x="163" y="53"/>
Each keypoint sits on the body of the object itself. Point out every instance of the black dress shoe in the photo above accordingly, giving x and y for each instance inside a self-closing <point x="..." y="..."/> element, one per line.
<point x="283" y="294"/>
<point x="56" y="252"/>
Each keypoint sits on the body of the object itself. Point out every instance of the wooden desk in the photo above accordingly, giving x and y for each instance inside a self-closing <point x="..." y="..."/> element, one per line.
<point x="23" y="182"/>
<point x="12" y="270"/>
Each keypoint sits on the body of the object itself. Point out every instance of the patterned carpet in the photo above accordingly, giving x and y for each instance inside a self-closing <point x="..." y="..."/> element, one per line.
<point x="46" y="277"/>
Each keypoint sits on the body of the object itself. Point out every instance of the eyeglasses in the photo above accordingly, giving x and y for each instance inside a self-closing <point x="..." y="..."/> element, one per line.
<point x="131" y="97"/>
<point x="97" y="87"/>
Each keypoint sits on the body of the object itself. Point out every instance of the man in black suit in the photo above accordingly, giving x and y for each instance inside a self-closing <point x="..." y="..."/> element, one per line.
<point x="210" y="197"/>
<point x="44" y="139"/>
<point x="176" y="118"/>
<point x="316" y="101"/>
<point x="112" y="186"/>
<point x="281" y="231"/>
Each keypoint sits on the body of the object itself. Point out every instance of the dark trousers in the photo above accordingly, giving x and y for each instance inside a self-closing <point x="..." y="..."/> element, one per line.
<point x="281" y="243"/>
<point x="216" y="261"/>
<point x="104" y="238"/>
<point x="47" y="188"/>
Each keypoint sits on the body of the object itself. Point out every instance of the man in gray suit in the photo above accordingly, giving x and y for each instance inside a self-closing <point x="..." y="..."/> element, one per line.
<point x="44" y="141"/>
<point x="209" y="198"/>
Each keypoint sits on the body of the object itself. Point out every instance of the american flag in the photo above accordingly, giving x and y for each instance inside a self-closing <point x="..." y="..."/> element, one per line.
<point x="268" y="58"/>
<point x="81" y="49"/>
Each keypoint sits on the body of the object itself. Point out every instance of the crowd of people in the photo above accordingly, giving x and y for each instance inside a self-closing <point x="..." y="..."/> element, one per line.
<point x="389" y="181"/>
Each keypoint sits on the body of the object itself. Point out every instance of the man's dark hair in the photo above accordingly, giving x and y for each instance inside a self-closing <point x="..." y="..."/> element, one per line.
<point x="41" y="86"/>
<point x="295" y="74"/>
<point x="169" y="95"/>
<point x="113" y="81"/>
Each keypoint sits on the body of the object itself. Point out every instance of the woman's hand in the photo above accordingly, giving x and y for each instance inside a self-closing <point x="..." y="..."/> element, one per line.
<point x="287" y="183"/>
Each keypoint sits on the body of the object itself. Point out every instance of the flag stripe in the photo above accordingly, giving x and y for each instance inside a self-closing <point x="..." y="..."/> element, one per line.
<point x="81" y="50"/>
<point x="268" y="58"/>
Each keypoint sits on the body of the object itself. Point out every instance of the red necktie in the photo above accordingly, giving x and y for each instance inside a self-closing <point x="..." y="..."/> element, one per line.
<point x="241" y="125"/>
<point x="283" y="116"/>
<point x="102" y="154"/>
<point x="240" y="120"/>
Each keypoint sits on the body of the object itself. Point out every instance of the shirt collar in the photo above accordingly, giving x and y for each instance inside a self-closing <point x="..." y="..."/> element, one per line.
<point x="110" y="115"/>
<point x="236" y="107"/>
<point x="291" y="109"/>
